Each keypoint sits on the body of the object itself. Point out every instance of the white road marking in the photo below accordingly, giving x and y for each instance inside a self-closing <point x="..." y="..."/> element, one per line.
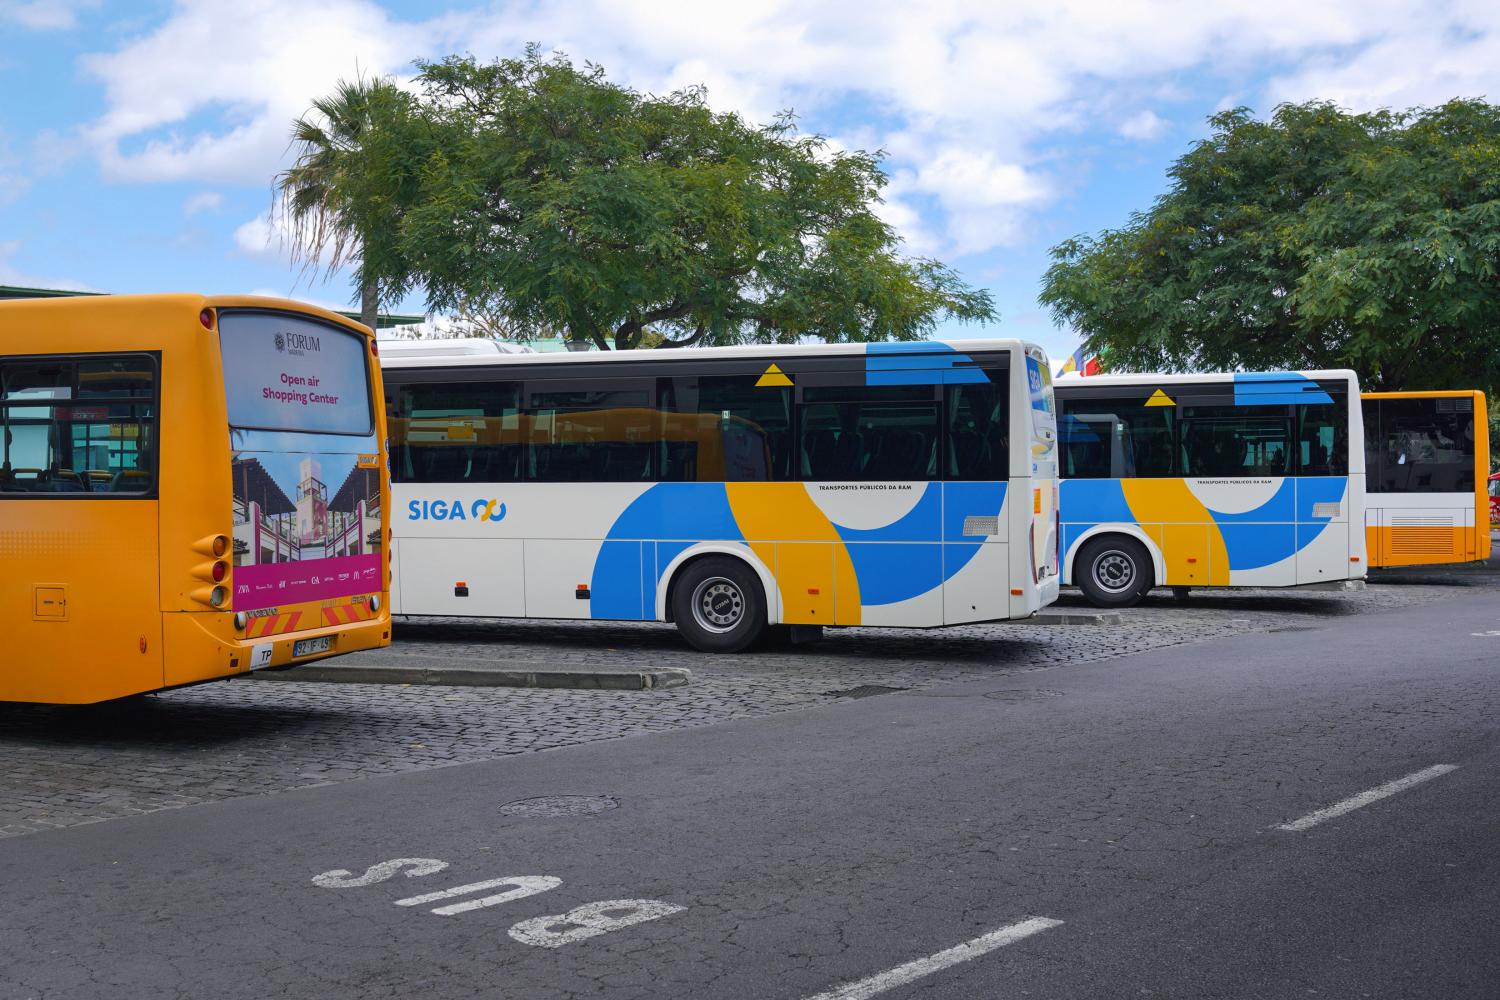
<point x="911" y="971"/>
<point x="341" y="878"/>
<point x="1354" y="802"/>
<point x="590" y="920"/>
<point x="521" y="887"/>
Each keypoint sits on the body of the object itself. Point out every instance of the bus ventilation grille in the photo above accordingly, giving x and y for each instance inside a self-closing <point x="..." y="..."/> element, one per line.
<point x="1436" y="540"/>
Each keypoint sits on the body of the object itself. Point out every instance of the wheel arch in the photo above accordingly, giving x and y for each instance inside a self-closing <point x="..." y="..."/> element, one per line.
<point x="1132" y="531"/>
<point x="673" y="572"/>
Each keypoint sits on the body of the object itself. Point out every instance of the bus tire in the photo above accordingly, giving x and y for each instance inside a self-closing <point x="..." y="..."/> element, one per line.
<point x="1114" y="571"/>
<point x="718" y="605"/>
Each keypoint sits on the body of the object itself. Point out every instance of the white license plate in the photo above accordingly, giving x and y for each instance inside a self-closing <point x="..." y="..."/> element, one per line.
<point x="306" y="647"/>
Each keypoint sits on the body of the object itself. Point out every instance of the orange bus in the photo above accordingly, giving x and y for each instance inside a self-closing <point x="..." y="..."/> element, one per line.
<point x="190" y="488"/>
<point x="1427" y="459"/>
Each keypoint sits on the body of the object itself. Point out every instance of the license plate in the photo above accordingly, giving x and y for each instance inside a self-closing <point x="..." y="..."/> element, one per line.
<point x="306" y="647"/>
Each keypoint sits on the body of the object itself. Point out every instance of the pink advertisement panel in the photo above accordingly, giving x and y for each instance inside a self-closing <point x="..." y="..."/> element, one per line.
<point x="307" y="527"/>
<point x="277" y="584"/>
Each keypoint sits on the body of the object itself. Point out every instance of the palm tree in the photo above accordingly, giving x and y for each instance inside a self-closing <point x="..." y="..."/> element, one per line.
<point x="325" y="198"/>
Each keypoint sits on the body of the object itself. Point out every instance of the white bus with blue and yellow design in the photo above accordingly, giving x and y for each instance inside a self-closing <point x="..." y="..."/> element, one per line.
<point x="1250" y="479"/>
<point x="733" y="491"/>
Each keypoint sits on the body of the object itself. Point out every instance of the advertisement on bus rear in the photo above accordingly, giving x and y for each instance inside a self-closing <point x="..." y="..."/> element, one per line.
<point x="289" y="373"/>
<point x="306" y="527"/>
<point x="305" y="464"/>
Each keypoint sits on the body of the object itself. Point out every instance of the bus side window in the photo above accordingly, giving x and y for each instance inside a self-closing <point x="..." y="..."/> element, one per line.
<point x="868" y="432"/>
<point x="978" y="418"/>
<point x="1323" y="439"/>
<point x="725" y="428"/>
<point x="1116" y="438"/>
<point x="78" y="427"/>
<point x="457" y="432"/>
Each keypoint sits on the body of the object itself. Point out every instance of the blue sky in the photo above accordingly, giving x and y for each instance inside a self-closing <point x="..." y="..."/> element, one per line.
<point x="138" y="140"/>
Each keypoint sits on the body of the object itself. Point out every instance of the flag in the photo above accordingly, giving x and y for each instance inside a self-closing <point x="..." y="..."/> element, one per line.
<point x="1079" y="362"/>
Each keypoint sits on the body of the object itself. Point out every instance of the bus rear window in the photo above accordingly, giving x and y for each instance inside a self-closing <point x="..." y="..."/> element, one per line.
<point x="289" y="373"/>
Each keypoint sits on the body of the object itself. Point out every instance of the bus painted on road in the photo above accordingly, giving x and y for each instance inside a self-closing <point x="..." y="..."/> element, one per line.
<point x="190" y="488"/>
<point x="1210" y="480"/>
<point x="1428" y="458"/>
<point x="729" y="490"/>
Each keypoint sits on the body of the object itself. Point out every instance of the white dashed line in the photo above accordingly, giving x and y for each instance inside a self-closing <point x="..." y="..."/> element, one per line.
<point x="911" y="971"/>
<point x="1354" y="802"/>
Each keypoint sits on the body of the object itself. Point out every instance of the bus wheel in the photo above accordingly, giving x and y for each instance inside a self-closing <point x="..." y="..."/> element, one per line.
<point x="718" y="605"/>
<point x="1114" y="571"/>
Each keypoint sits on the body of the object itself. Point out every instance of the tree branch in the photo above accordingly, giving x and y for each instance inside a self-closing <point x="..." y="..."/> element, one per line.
<point x="687" y="341"/>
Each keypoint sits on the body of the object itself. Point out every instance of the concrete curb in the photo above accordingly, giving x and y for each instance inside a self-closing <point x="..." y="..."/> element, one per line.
<point x="539" y="676"/>
<point x="1076" y="618"/>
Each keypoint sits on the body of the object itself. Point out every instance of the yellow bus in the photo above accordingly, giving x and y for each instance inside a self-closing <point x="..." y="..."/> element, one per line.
<point x="1428" y="456"/>
<point x="190" y="488"/>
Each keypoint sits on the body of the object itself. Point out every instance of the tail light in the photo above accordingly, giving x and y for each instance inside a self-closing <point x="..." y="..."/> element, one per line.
<point x="214" y="597"/>
<point x="212" y="545"/>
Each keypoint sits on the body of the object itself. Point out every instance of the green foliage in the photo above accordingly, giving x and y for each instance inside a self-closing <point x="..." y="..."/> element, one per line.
<point x="602" y="213"/>
<point x="341" y="199"/>
<point x="1318" y="239"/>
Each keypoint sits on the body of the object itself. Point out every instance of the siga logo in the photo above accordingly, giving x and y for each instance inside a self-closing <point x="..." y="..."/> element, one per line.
<point x="455" y="510"/>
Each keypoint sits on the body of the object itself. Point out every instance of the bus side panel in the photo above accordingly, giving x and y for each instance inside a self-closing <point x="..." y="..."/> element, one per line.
<point x="1421" y="529"/>
<point x="977" y="561"/>
<point x="80" y="587"/>
<point x="462" y="576"/>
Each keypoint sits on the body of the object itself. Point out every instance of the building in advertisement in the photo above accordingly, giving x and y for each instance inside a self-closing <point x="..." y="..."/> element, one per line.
<point x="312" y="508"/>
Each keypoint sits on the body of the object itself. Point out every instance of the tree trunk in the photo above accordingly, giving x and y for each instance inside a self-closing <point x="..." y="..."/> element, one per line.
<point x="369" y="303"/>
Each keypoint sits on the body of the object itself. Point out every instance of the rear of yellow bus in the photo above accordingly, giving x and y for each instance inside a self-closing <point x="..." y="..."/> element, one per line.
<point x="302" y="571"/>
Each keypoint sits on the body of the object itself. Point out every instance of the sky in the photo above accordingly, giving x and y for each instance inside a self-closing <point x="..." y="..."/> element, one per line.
<point x="138" y="141"/>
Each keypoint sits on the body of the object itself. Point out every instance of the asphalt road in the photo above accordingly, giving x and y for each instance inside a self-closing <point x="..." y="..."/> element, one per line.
<point x="1134" y="803"/>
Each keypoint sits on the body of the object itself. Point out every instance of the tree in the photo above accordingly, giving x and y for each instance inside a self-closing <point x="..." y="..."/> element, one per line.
<point x="490" y="318"/>
<point x="1318" y="239"/>
<point x="337" y="198"/>
<point x="607" y="215"/>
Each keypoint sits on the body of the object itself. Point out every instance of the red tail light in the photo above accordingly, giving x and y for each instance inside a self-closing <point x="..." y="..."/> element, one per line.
<point x="220" y="569"/>
<point x="374" y="347"/>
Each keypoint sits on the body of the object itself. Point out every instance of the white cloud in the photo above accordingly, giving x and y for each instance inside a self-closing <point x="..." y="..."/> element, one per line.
<point x="183" y="105"/>
<point x="963" y="93"/>
<point x="207" y="201"/>
<point x="1422" y="68"/>
<point x="44" y="15"/>
<point x="1143" y="127"/>
<point x="261" y="236"/>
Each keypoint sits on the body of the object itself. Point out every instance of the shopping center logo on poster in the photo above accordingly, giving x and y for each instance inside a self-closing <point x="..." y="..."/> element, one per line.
<point x="297" y="345"/>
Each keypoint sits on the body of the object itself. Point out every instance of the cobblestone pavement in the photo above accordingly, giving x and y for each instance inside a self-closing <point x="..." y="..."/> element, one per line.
<point x="65" y="766"/>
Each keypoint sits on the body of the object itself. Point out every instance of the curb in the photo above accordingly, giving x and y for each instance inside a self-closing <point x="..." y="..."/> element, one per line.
<point x="618" y="680"/>
<point x="1076" y="618"/>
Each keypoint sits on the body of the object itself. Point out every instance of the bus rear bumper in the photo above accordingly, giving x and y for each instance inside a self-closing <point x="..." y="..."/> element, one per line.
<point x="198" y="653"/>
